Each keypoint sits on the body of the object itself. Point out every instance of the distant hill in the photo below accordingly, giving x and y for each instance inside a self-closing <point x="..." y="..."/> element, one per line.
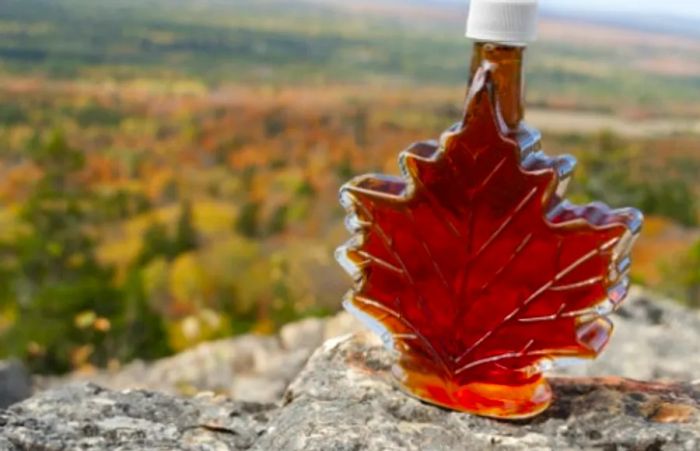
<point x="324" y="42"/>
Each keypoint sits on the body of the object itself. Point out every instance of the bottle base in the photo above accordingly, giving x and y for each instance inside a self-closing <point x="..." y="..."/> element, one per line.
<point x="478" y="398"/>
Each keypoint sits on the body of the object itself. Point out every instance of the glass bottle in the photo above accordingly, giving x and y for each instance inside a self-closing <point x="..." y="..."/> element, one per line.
<point x="472" y="267"/>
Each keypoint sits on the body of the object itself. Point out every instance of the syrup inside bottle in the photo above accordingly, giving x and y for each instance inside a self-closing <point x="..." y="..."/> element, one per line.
<point x="449" y="255"/>
<point x="507" y="75"/>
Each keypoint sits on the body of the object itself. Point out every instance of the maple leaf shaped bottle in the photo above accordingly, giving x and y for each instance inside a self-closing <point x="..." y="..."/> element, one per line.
<point x="472" y="266"/>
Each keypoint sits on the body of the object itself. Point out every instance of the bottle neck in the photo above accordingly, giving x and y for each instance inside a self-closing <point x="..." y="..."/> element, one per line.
<point x="508" y="76"/>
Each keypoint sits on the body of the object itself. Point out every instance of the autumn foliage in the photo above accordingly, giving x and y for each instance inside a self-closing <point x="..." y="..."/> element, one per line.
<point x="198" y="151"/>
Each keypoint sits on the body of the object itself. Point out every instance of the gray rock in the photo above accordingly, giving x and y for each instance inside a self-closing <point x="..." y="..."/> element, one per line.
<point x="15" y="383"/>
<point x="87" y="417"/>
<point x="344" y="400"/>
<point x="250" y="367"/>
<point x="303" y="334"/>
<point x="654" y="339"/>
<point x="341" y="324"/>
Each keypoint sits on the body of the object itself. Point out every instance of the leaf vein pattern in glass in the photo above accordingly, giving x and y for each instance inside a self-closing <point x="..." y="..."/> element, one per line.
<point x="475" y="269"/>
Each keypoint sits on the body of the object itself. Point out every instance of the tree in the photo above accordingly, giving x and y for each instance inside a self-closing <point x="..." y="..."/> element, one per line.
<point x="159" y="242"/>
<point x="278" y="221"/>
<point x="156" y="242"/>
<point x="671" y="198"/>
<point x="248" y="221"/>
<point x="145" y="329"/>
<point x="186" y="238"/>
<point x="690" y="275"/>
<point x="606" y="176"/>
<point x="57" y="277"/>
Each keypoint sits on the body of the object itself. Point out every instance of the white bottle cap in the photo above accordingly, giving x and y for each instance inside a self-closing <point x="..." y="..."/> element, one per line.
<point x="504" y="21"/>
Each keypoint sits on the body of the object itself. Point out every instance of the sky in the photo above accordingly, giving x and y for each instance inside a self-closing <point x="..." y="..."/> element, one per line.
<point x="689" y="9"/>
<point x="683" y="8"/>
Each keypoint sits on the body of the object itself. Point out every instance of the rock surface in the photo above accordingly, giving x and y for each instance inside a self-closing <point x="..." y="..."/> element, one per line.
<point x="85" y="416"/>
<point x="247" y="368"/>
<point x="344" y="400"/>
<point x="654" y="339"/>
<point x="15" y="383"/>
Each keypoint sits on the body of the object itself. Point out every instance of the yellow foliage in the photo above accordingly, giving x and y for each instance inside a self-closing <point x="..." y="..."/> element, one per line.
<point x="119" y="253"/>
<point x="76" y="260"/>
<point x="196" y="328"/>
<point x="264" y="326"/>
<point x="80" y="356"/>
<point x="9" y="225"/>
<point x="156" y="184"/>
<point x="138" y="126"/>
<point x="188" y="282"/>
<point x="212" y="217"/>
<point x="254" y="286"/>
<point x="656" y="225"/>
<point x="85" y="320"/>
<point x="661" y="244"/>
<point x="155" y="283"/>
<point x="299" y="209"/>
<point x="8" y="316"/>
<point x="137" y="225"/>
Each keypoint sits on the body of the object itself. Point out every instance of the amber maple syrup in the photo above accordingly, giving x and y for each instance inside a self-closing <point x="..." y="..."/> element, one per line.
<point x="472" y="266"/>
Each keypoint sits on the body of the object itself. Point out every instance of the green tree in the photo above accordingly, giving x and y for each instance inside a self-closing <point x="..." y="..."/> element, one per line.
<point x="344" y="170"/>
<point x="186" y="238"/>
<point x="605" y="175"/>
<point x="156" y="242"/>
<point x="278" y="221"/>
<point x="671" y="198"/>
<point x="248" y="222"/>
<point x="56" y="277"/>
<point x="360" y="127"/>
<point x="690" y="275"/>
<point x="159" y="242"/>
<point x="141" y="324"/>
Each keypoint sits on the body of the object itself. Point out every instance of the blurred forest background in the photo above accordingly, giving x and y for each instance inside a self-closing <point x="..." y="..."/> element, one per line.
<point x="169" y="169"/>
